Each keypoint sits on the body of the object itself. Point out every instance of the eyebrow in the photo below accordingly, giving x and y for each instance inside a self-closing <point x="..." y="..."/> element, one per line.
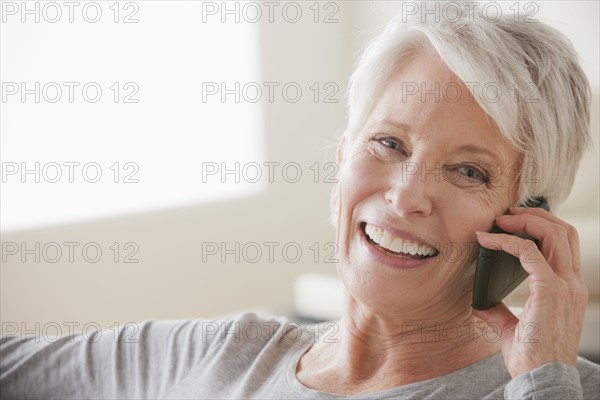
<point x="470" y="148"/>
<point x="399" y="125"/>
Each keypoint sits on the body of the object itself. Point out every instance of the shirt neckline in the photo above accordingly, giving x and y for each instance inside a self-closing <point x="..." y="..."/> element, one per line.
<point x="301" y="390"/>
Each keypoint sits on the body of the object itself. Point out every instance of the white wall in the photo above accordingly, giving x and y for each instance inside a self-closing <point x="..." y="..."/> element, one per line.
<point x="170" y="280"/>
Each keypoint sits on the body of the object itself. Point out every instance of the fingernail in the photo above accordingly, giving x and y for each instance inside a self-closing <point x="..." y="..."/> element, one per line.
<point x="477" y="232"/>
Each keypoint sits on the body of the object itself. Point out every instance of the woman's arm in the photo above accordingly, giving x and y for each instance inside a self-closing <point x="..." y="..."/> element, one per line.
<point x="137" y="361"/>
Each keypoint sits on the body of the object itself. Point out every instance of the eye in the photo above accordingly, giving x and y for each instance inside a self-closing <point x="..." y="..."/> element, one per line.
<point x="473" y="174"/>
<point x="388" y="148"/>
<point x="390" y="143"/>
<point x="466" y="175"/>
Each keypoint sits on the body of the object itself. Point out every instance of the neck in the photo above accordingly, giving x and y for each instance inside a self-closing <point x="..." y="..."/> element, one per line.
<point x="371" y="352"/>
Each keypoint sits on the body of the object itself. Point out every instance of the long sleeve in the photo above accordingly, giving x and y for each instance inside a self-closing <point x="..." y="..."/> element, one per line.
<point x="553" y="381"/>
<point x="136" y="361"/>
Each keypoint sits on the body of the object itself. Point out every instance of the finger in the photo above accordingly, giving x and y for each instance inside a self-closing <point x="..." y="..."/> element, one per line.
<point x="554" y="241"/>
<point x="573" y="235"/>
<point x="540" y="212"/>
<point x="525" y="250"/>
<point x="501" y="316"/>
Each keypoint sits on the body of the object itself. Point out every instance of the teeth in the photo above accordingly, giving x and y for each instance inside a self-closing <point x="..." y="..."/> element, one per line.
<point x="409" y="247"/>
<point x="386" y="240"/>
<point x="377" y="235"/>
<point x="424" y="249"/>
<point x="396" y="244"/>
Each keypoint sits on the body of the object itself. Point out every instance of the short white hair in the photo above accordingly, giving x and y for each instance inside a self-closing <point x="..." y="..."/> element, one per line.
<point x="546" y="120"/>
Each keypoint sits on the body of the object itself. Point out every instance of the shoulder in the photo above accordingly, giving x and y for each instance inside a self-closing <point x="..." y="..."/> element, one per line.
<point x="246" y="326"/>
<point x="248" y="330"/>
<point x="249" y="344"/>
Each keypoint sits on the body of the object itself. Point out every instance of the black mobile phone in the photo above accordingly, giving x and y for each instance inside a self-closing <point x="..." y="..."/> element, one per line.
<point x="499" y="273"/>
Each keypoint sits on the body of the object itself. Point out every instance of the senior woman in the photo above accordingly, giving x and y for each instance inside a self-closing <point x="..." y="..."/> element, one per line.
<point x="431" y="159"/>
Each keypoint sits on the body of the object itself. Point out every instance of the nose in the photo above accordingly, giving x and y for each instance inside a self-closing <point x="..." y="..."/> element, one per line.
<point x="410" y="193"/>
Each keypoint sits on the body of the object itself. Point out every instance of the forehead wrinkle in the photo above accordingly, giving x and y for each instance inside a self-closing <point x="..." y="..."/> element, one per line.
<point x="421" y="121"/>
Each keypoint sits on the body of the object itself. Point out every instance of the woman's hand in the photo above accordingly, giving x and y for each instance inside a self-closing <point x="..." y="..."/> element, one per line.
<point x="549" y="328"/>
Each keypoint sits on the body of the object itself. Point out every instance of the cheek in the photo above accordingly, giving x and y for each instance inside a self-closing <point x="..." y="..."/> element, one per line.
<point x="467" y="213"/>
<point x="359" y="179"/>
<point x="461" y="218"/>
<point x="493" y="203"/>
<point x="361" y="176"/>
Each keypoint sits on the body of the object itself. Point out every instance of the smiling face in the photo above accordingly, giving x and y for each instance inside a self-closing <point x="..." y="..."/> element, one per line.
<point x="420" y="175"/>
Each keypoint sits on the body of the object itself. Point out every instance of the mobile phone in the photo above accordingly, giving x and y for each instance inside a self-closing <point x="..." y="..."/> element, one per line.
<point x="499" y="273"/>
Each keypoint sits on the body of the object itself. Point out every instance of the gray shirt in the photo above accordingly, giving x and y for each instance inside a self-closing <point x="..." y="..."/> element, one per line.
<point x="241" y="357"/>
